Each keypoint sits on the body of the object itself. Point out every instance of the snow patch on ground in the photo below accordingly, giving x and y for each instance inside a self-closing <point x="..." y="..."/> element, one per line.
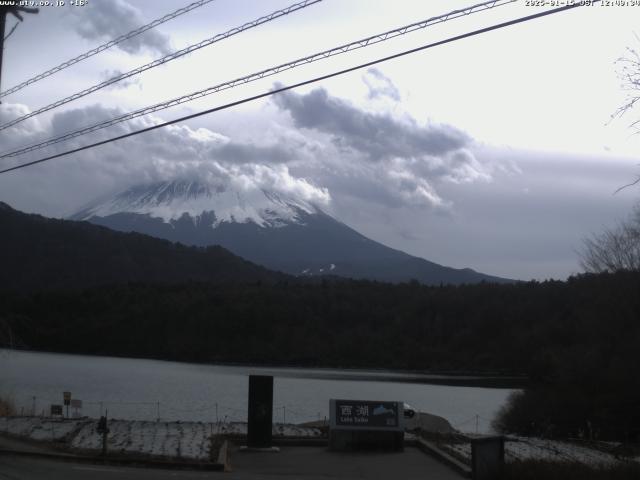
<point x="185" y="440"/>
<point x="165" y="439"/>
<point x="529" y="448"/>
<point x="45" y="429"/>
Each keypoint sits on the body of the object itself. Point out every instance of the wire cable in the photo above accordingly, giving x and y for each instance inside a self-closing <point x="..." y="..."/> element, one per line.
<point x="105" y="46"/>
<point x="167" y="58"/>
<point x="362" y="43"/>
<point x="300" y="84"/>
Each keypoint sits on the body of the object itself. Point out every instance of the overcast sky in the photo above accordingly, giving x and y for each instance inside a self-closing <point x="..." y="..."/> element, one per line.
<point x="494" y="152"/>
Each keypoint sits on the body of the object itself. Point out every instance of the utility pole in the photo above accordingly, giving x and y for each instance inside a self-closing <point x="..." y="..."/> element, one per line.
<point x="16" y="11"/>
<point x="3" y="19"/>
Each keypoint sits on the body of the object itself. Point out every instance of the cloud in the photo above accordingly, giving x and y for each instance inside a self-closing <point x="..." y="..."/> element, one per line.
<point x="459" y="166"/>
<point x="68" y="120"/>
<point x="380" y="85"/>
<point x="379" y="136"/>
<point x="22" y="132"/>
<point x="121" y="84"/>
<point x="106" y="20"/>
<point x="235" y="152"/>
<point x="382" y="157"/>
<point x="314" y="146"/>
<point x="279" y="179"/>
<point x="177" y="151"/>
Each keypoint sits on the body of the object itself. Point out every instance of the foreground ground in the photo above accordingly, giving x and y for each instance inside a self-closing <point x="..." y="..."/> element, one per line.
<point x="592" y="454"/>
<point x="198" y="442"/>
<point x="305" y="463"/>
<point x="51" y="448"/>
<point x="27" y="468"/>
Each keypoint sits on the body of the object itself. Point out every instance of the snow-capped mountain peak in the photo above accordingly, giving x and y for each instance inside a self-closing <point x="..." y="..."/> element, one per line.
<point x="172" y="200"/>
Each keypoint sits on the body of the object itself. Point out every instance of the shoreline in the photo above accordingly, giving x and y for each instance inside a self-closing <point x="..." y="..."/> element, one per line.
<point x="350" y="373"/>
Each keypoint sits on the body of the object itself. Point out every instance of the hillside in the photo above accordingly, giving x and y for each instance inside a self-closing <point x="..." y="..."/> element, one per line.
<point x="43" y="253"/>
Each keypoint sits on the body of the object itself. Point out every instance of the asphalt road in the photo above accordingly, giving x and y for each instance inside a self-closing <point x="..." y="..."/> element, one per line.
<point x="317" y="463"/>
<point x="29" y="468"/>
<point x="304" y="463"/>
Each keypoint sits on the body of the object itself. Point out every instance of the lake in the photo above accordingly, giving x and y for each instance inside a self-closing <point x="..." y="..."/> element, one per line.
<point x="148" y="389"/>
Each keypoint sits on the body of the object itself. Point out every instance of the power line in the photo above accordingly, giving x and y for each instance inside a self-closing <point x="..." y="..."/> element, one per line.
<point x="365" y="42"/>
<point x="105" y="46"/>
<point x="165" y="59"/>
<point x="300" y="84"/>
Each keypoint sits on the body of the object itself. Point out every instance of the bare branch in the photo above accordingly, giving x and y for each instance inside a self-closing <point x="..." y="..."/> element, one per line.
<point x="629" y="74"/>
<point x="635" y="182"/>
<point x="615" y="249"/>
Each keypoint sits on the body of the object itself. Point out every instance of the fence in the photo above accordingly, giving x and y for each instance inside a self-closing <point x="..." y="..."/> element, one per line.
<point x="150" y="410"/>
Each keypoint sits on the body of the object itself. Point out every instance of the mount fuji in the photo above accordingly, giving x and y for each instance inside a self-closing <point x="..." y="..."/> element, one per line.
<point x="277" y="231"/>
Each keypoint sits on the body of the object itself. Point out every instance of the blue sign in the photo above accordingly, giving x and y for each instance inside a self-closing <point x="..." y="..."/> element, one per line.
<point x="366" y="414"/>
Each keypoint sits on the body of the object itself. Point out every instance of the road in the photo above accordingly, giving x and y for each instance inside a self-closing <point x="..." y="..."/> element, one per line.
<point x="304" y="463"/>
<point x="28" y="468"/>
<point x="317" y="463"/>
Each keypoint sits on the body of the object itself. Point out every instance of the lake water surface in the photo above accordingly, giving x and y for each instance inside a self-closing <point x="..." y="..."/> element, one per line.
<point x="148" y="389"/>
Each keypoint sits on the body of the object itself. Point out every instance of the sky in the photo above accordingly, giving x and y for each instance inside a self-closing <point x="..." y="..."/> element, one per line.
<point x="496" y="152"/>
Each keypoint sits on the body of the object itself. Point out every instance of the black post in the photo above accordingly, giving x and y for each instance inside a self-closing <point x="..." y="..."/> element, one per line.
<point x="17" y="12"/>
<point x="104" y="443"/>
<point x="3" y="18"/>
<point x="487" y="458"/>
<point x="104" y="430"/>
<point x="259" y="430"/>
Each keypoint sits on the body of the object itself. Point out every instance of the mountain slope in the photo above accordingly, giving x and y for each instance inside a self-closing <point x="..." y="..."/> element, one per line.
<point x="281" y="233"/>
<point x="38" y="252"/>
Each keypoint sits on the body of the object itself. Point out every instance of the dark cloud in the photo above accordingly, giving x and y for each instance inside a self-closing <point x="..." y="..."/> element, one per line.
<point x="121" y="84"/>
<point x="68" y="120"/>
<point x="249" y="153"/>
<point x="380" y="85"/>
<point x="183" y="141"/>
<point x="380" y="136"/>
<point x="106" y="20"/>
